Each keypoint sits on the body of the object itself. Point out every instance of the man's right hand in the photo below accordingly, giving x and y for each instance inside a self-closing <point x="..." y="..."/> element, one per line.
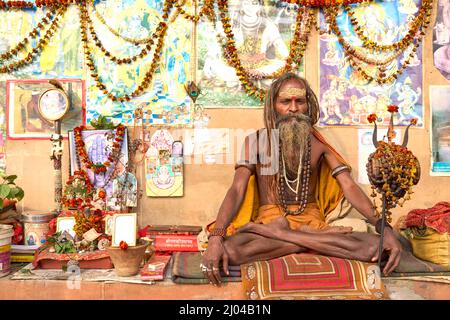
<point x="211" y="260"/>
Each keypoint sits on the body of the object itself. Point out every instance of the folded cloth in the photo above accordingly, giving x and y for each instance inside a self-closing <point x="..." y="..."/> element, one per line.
<point x="311" y="276"/>
<point x="437" y="217"/>
<point x="186" y="269"/>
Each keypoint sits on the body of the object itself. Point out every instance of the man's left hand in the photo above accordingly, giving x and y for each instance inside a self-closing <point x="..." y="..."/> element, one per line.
<point x="393" y="247"/>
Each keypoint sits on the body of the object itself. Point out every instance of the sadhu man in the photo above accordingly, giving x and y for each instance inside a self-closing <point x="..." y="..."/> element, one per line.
<point x="299" y="179"/>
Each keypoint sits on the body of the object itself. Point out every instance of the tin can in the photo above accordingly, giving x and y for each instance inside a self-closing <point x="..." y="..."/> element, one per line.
<point x="35" y="226"/>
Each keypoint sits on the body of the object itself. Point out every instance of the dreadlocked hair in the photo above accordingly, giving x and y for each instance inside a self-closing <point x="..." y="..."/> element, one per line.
<point x="270" y="116"/>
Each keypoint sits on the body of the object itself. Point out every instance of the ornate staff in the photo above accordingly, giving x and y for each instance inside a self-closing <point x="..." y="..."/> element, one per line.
<point x="53" y="105"/>
<point x="392" y="170"/>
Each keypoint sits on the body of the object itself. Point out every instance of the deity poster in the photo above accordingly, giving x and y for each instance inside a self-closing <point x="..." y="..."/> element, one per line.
<point x="262" y="32"/>
<point x="165" y="101"/>
<point x="164" y="166"/>
<point x="440" y="130"/>
<point x="441" y="38"/>
<point x="346" y="97"/>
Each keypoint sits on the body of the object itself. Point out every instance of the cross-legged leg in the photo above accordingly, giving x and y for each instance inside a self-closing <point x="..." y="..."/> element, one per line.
<point x="248" y="247"/>
<point x="242" y="247"/>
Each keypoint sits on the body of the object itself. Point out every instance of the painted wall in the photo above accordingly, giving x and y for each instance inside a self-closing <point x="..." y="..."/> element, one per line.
<point x="206" y="185"/>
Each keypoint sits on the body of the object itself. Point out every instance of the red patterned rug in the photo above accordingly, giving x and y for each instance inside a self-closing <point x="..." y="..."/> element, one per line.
<point x="310" y="276"/>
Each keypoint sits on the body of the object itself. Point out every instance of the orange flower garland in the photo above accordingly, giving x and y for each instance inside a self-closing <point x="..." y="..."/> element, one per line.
<point x="84" y="158"/>
<point x="79" y="190"/>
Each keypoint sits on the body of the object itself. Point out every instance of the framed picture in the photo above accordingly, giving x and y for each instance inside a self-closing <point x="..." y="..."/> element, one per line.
<point x="53" y="104"/>
<point x="25" y="119"/>
<point x="65" y="224"/>
<point x="124" y="228"/>
<point x="98" y="144"/>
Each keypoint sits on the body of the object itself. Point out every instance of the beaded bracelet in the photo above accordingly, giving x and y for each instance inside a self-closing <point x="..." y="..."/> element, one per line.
<point x="218" y="232"/>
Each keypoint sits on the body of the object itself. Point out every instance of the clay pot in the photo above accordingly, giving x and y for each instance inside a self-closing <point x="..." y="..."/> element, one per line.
<point x="127" y="262"/>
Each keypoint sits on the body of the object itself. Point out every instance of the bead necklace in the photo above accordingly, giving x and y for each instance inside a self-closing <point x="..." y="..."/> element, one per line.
<point x="306" y="174"/>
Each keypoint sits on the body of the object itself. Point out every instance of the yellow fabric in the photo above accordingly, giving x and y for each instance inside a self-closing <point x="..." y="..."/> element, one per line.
<point x="432" y="246"/>
<point x="248" y="209"/>
<point x="311" y="217"/>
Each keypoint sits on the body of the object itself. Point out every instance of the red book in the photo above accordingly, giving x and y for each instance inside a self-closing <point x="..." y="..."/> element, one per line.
<point x="164" y="242"/>
<point x="155" y="268"/>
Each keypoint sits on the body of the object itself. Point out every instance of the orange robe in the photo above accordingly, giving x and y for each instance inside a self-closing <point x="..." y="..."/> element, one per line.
<point x="328" y="194"/>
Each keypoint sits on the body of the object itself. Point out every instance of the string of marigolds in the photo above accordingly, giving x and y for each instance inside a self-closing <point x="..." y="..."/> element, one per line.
<point x="43" y="41"/>
<point x="298" y="46"/>
<point x="144" y="51"/>
<point x="296" y="52"/>
<point x="324" y="3"/>
<point x="94" y="73"/>
<point x="112" y="157"/>
<point x="5" y="5"/>
<point x="168" y="4"/>
<point x="330" y="16"/>
<point x="417" y="25"/>
<point x="207" y="10"/>
<point x="352" y="53"/>
<point x="33" y="34"/>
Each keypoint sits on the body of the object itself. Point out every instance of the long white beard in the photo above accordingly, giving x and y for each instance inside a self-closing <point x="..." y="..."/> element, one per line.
<point x="294" y="132"/>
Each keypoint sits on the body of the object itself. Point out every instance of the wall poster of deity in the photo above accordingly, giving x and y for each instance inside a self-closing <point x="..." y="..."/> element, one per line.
<point x="164" y="166"/>
<point x="262" y="33"/>
<point x="23" y="118"/>
<point x="440" y="130"/>
<point x="346" y="97"/>
<point x="441" y="38"/>
<point x="98" y="146"/>
<point x="165" y="101"/>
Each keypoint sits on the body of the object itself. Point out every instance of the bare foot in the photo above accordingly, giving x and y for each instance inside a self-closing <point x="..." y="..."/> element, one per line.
<point x="337" y="229"/>
<point x="273" y="229"/>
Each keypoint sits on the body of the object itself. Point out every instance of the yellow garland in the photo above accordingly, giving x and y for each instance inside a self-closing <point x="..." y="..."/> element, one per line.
<point x="43" y="41"/>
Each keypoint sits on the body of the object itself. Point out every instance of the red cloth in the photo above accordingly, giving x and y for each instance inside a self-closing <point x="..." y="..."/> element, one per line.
<point x="437" y="217"/>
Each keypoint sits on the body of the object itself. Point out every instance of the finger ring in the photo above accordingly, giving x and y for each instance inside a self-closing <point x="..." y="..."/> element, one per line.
<point x="215" y="269"/>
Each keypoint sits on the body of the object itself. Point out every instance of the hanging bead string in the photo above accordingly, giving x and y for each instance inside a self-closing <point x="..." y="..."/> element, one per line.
<point x="33" y="34"/>
<point x="145" y="51"/>
<point x="94" y="73"/>
<point x="306" y="174"/>
<point x="43" y="41"/>
<point x="415" y="26"/>
<point x="166" y="10"/>
<point x="231" y="54"/>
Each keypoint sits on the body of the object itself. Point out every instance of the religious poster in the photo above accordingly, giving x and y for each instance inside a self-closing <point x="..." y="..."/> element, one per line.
<point x="24" y="121"/>
<point x="164" y="166"/>
<point x="366" y="147"/>
<point x="346" y="96"/>
<point x="122" y="25"/>
<point x="99" y="144"/>
<point x="440" y="130"/>
<point x="60" y="57"/>
<point x="441" y="38"/>
<point x="262" y="33"/>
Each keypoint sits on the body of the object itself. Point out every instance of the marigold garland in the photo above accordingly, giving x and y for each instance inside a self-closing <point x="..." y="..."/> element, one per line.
<point x="43" y="41"/>
<point x="324" y="3"/>
<point x="168" y="4"/>
<point x="79" y="191"/>
<point x="84" y="157"/>
<point x="298" y="47"/>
